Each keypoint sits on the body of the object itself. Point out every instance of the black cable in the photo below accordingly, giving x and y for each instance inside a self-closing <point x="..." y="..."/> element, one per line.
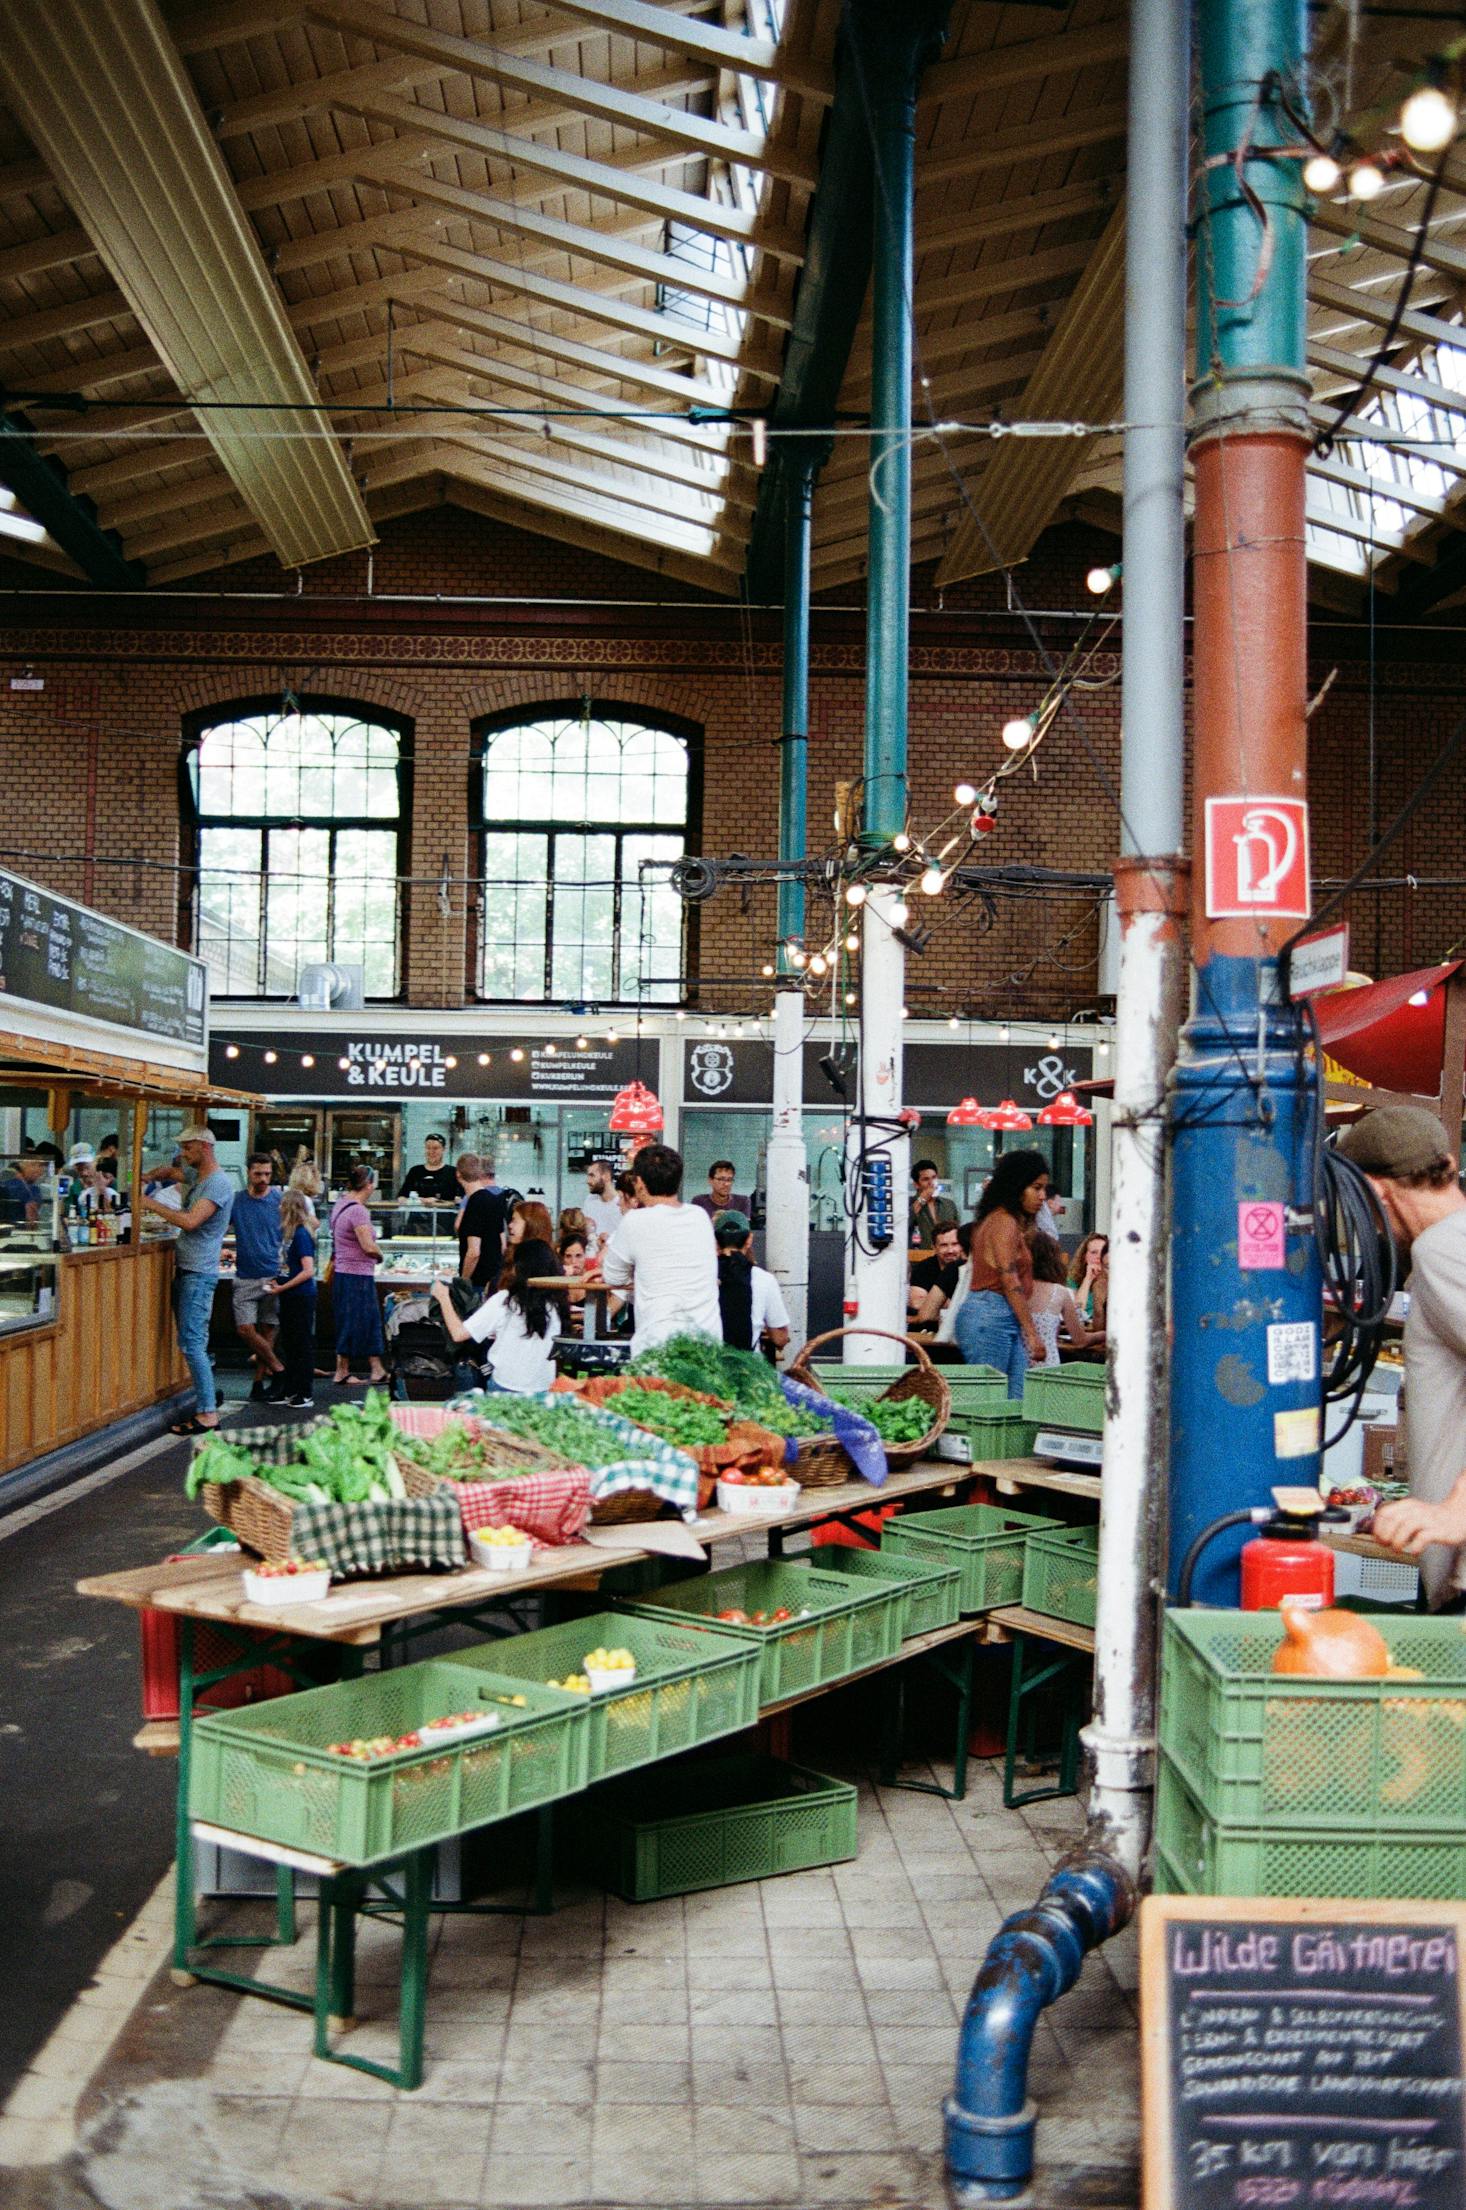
<point x="1323" y="444"/>
<point x="1356" y="1252"/>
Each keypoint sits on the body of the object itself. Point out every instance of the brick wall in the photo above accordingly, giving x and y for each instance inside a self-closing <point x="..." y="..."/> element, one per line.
<point x="91" y="763"/>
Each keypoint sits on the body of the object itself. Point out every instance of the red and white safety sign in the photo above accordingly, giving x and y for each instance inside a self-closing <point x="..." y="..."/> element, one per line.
<point x="1257" y="859"/>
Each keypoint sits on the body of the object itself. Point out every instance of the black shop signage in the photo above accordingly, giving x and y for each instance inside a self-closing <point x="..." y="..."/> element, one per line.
<point x="935" y="1076"/>
<point x="71" y="960"/>
<point x="1301" y="2054"/>
<point x="358" y="1063"/>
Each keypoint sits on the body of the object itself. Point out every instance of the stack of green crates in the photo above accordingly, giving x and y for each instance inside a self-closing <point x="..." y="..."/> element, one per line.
<point x="1066" y="1397"/>
<point x="268" y="1770"/>
<point x="986" y="1542"/>
<point x="689" y="1686"/>
<point x="1276" y="1784"/>
<point x="710" y="1823"/>
<point x="1061" y="1574"/>
<point x="837" y="1624"/>
<point x="998" y="1429"/>
<point x="930" y="1590"/>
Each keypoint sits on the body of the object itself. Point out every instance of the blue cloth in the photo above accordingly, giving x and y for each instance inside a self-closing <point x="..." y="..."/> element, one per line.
<point x="256" y="1222"/>
<point x="988" y="1334"/>
<point x="852" y="1429"/>
<point x="193" y="1305"/>
<point x="199" y="1248"/>
<point x="290" y="1257"/>
<point x="358" y="1316"/>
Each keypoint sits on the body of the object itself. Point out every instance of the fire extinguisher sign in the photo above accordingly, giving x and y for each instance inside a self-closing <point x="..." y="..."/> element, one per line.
<point x="1257" y="859"/>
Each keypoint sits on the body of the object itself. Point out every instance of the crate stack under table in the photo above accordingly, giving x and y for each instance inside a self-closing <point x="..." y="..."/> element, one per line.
<point x="1277" y="1784"/>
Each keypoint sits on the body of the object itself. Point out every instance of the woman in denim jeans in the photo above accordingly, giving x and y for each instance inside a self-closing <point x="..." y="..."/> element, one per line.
<point x="201" y="1224"/>
<point x="995" y="1324"/>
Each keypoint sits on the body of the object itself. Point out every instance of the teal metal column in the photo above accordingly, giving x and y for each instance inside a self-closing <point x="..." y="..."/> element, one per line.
<point x="800" y="469"/>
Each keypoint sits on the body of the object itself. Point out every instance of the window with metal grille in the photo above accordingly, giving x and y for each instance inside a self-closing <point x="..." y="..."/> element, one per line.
<point x="573" y="801"/>
<point x="296" y="813"/>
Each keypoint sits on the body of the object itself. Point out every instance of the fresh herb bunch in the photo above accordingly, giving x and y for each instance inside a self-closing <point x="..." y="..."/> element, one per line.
<point x="349" y="1459"/>
<point x="741" y="1378"/>
<point x="455" y="1455"/>
<point x="677" y="1419"/>
<point x="569" y="1428"/>
<point x="895" y="1420"/>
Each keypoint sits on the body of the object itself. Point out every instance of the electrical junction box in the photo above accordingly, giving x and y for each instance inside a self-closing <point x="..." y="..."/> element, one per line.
<point x="876" y="1189"/>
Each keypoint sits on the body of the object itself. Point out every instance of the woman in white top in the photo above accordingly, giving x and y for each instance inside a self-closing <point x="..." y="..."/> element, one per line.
<point x="520" y="1324"/>
<point x="1051" y="1301"/>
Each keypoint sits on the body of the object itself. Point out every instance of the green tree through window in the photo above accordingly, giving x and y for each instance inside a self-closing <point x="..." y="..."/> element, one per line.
<point x="573" y="802"/>
<point x="297" y="819"/>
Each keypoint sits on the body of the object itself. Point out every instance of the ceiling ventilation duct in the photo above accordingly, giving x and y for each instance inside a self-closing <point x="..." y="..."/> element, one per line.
<point x="104" y="97"/>
<point x="331" y="989"/>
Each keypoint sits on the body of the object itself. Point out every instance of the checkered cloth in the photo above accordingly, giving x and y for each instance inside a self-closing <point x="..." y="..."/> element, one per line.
<point x="423" y="1531"/>
<point x="649" y="1463"/>
<point x="552" y="1507"/>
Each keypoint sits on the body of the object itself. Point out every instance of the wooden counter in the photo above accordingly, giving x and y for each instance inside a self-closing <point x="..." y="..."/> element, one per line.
<point x="110" y="1349"/>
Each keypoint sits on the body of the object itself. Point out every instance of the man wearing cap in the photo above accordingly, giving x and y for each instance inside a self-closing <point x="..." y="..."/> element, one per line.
<point x="1402" y="1149"/>
<point x="201" y="1224"/>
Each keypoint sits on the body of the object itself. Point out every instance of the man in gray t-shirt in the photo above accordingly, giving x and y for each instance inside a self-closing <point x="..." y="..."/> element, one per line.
<point x="1402" y="1148"/>
<point x="201" y="1223"/>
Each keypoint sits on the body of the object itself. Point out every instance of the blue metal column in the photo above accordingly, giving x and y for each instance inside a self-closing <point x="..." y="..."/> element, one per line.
<point x="1245" y="1389"/>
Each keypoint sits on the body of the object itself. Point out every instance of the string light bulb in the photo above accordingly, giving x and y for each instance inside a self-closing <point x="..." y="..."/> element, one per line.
<point x="819" y="965"/>
<point x="849" y="997"/>
<point x="344" y="1065"/>
<point x="933" y="882"/>
<point x="1018" y="734"/>
<point x="483" y="1058"/>
<point x="271" y="1057"/>
<point x="852" y="942"/>
<point x="766" y="970"/>
<point x="795" y="956"/>
<point x="516" y="1055"/>
<point x="965" y="794"/>
<point x="1428" y="119"/>
<point x="1321" y="173"/>
<point x="953" y="1021"/>
<point x="450" y="1061"/>
<point x="307" y="1059"/>
<point x="901" y="841"/>
<point x="582" y="1043"/>
<point x="856" y="894"/>
<point x="900" y="913"/>
<point x="1366" y="180"/>
<point x="1098" y="581"/>
<point x="231" y="1051"/>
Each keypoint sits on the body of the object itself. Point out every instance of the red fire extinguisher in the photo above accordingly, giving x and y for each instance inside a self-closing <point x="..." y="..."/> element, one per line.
<point x="1284" y="1558"/>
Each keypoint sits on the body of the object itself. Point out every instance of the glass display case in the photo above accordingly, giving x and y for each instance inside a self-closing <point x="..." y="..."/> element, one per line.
<point x="28" y="1252"/>
<point x="419" y="1241"/>
<point x="27" y="1291"/>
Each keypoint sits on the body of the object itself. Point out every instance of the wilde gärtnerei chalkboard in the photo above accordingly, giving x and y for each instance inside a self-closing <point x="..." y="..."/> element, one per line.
<point x="1315" y="2064"/>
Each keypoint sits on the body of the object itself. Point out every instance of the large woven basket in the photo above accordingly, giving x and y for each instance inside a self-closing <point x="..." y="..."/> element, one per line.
<point x="261" y="1517"/>
<point x="923" y="1380"/>
<point x="627" y="1506"/>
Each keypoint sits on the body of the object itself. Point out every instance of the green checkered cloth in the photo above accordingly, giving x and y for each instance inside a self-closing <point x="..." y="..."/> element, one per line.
<point x="650" y="1462"/>
<point x="421" y="1531"/>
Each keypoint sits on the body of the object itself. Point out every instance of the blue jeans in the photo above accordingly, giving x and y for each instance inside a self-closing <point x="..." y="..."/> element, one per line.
<point x="988" y="1334"/>
<point x="193" y="1306"/>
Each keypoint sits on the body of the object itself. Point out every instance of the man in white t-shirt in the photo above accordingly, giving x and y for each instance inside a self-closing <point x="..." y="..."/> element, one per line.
<point x="601" y="1208"/>
<point x="665" y="1253"/>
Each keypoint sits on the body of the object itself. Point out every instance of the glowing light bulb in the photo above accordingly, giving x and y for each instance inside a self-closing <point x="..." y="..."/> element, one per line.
<point x="271" y="1057"/>
<point x="856" y="894"/>
<point x="900" y="913"/>
<point x="852" y="942"/>
<point x="582" y="1043"/>
<point x="1104" y="1043"/>
<point x="1428" y="119"/>
<point x="1321" y="173"/>
<point x="307" y="1059"/>
<point x="516" y="1055"/>
<point x="964" y="794"/>
<point x="344" y="1065"/>
<point x="450" y="1061"/>
<point x="1003" y="1033"/>
<point x="1053" y="1043"/>
<point x="231" y="1051"/>
<point x="905" y="1012"/>
<point x="849" y="997"/>
<point x="819" y="965"/>
<point x="901" y="841"/>
<point x="933" y="882"/>
<point x="550" y="1050"/>
<point x="1366" y="180"/>
<point x="953" y="1021"/>
<point x="1018" y="733"/>
<point x="613" y="1036"/>
<point x="1098" y="581"/>
<point x="796" y="958"/>
<point x="767" y="969"/>
<point x="483" y="1058"/>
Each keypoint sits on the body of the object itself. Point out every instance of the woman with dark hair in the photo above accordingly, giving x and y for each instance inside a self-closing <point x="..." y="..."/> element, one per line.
<point x="520" y="1324"/>
<point x="529" y="1222"/>
<point x="355" y="1252"/>
<point x="1052" y="1302"/>
<point x="995" y="1326"/>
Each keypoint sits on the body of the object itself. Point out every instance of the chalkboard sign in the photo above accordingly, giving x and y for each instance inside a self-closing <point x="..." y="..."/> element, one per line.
<point x="72" y="960"/>
<point x="1299" y="2054"/>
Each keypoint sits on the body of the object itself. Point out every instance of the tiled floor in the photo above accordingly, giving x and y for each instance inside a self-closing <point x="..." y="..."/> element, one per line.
<point x="788" y="2043"/>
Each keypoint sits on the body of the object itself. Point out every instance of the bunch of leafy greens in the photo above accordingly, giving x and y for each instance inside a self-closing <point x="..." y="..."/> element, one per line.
<point x="349" y="1458"/>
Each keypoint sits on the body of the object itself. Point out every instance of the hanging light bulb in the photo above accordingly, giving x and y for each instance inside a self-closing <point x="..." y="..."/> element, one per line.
<point x="953" y="1021"/>
<point x="933" y="882"/>
<point x="344" y="1065"/>
<point x="231" y="1051"/>
<point x="849" y="997"/>
<point x="1098" y="581"/>
<point x="766" y="970"/>
<point x="1428" y="119"/>
<point x="516" y="1055"/>
<point x="1321" y="173"/>
<point x="1104" y="1044"/>
<point x="450" y="1061"/>
<point x="856" y="894"/>
<point x="613" y="1035"/>
<point x="1018" y="733"/>
<point x="852" y="942"/>
<point x="905" y="1012"/>
<point x="819" y="965"/>
<point x="307" y="1059"/>
<point x="1003" y="1033"/>
<point x="550" y="1050"/>
<point x="964" y="794"/>
<point x="271" y="1057"/>
<point x="901" y="841"/>
<point x="1366" y="180"/>
<point x="796" y="957"/>
<point x="1053" y="1039"/>
<point x="483" y="1058"/>
<point x="582" y="1043"/>
<point x="900" y="913"/>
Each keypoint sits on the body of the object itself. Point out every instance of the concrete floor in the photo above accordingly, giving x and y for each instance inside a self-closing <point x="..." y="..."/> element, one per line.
<point x="783" y="2043"/>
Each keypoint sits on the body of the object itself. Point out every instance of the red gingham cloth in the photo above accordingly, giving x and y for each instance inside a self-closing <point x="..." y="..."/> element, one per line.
<point x="552" y="1507"/>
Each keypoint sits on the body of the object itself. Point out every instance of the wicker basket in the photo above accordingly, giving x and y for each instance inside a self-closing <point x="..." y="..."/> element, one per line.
<point x="261" y="1517"/>
<point x="923" y="1380"/>
<point x="626" y="1507"/>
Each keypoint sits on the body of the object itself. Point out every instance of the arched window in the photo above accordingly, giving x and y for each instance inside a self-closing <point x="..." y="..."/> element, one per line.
<point x="573" y="802"/>
<point x="297" y="818"/>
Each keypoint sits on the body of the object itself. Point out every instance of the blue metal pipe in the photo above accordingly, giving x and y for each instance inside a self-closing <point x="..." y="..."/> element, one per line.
<point x="1033" y="1959"/>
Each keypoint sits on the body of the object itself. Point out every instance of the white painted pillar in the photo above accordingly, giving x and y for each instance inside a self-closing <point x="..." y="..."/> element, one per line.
<point x="879" y="1275"/>
<point x="786" y="1233"/>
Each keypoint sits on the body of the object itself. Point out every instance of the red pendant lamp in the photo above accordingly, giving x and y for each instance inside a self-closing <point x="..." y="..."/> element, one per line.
<point x="1009" y="1117"/>
<point x="1065" y="1111"/>
<point x="636" y="1111"/>
<point x="969" y="1114"/>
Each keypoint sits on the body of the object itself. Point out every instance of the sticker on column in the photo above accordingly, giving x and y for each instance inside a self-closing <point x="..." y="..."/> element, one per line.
<point x="1292" y="1351"/>
<point x="1295" y="1434"/>
<point x="1261" y="1236"/>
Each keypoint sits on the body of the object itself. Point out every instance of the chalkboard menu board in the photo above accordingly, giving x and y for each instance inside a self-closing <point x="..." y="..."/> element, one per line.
<point x="64" y="956"/>
<point x="1301" y="2054"/>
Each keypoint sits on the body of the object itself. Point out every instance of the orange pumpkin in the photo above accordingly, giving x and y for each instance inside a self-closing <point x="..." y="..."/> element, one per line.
<point x="1330" y="1645"/>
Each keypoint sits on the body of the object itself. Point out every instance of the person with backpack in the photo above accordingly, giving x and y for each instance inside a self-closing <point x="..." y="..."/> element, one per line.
<point x="519" y="1324"/>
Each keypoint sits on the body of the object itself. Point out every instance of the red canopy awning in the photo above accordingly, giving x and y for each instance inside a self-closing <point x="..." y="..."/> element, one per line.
<point x="1380" y="1034"/>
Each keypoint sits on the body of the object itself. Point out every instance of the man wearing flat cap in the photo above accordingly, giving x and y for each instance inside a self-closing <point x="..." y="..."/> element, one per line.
<point x="1402" y="1149"/>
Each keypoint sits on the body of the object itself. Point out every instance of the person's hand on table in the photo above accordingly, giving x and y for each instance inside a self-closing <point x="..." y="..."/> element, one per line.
<point x="1412" y="1525"/>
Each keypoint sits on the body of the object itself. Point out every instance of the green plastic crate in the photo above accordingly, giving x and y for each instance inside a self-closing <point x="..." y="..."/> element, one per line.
<point x="973" y="1388"/>
<point x="1207" y="1856"/>
<point x="848" y="1626"/>
<point x="1256" y="1746"/>
<point x="733" y="1818"/>
<point x="266" y="1770"/>
<point x="996" y="1430"/>
<point x="690" y="1686"/>
<point x="1061" y="1574"/>
<point x="1066" y="1396"/>
<point x="986" y="1541"/>
<point x="856" y="1381"/>
<point x="930" y="1590"/>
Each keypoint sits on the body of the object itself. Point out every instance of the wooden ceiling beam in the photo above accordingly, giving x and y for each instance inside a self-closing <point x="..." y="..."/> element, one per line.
<point x="587" y="536"/>
<point x="53" y="250"/>
<point x="709" y="43"/>
<point x="624" y="105"/>
<point x="1411" y="385"/>
<point x="701" y="509"/>
<point x="970" y="337"/>
<point x="1003" y="149"/>
<point x="1448" y="511"/>
<point x="442" y="342"/>
<point x="999" y="68"/>
<point x="1379" y="314"/>
<point x="576" y="172"/>
<point x="1343" y="523"/>
<point x="199" y="28"/>
<point x="601" y="506"/>
<point x="64" y="321"/>
<point x="688" y="390"/>
<point x="96" y="375"/>
<point x="1391" y="238"/>
<point x="1003" y="218"/>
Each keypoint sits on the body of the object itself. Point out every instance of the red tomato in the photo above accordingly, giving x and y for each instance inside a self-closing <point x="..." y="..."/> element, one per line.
<point x="735" y="1618"/>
